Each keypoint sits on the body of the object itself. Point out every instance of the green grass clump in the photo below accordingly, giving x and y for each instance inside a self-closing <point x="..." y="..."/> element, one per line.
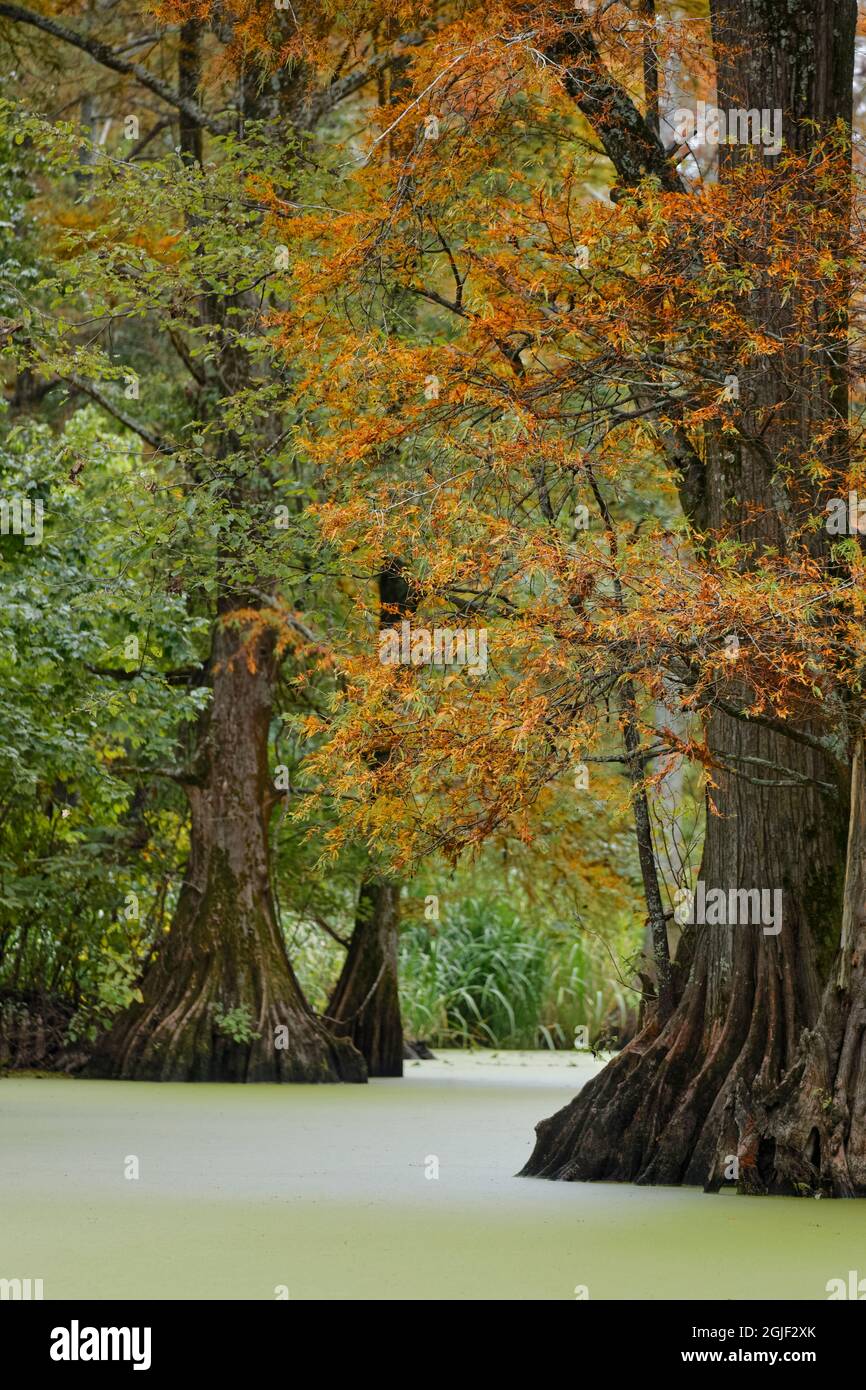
<point x="484" y="979"/>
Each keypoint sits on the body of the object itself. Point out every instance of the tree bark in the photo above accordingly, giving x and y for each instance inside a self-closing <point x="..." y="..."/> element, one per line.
<point x="670" y="1107"/>
<point x="807" y="1136"/>
<point x="221" y="1002"/>
<point x="365" y="1005"/>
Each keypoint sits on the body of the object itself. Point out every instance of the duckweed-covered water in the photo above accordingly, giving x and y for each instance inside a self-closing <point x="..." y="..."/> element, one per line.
<point x="325" y="1190"/>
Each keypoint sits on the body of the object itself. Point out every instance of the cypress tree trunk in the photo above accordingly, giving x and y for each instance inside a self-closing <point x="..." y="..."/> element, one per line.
<point x="221" y="1002"/>
<point x="808" y="1135"/>
<point x="365" y="1005"/>
<point x="663" y="1110"/>
<point x="672" y="1106"/>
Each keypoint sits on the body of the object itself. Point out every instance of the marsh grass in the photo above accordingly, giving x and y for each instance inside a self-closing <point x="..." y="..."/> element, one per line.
<point x="484" y="980"/>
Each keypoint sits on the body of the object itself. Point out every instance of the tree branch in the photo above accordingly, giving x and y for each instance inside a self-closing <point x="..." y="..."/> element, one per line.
<point x="143" y="431"/>
<point x="110" y="58"/>
<point x="778" y="726"/>
<point x="326" y="98"/>
<point x="629" y="141"/>
<point x="186" y="675"/>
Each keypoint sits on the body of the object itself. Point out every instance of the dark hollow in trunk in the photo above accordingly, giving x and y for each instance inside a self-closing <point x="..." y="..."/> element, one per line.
<point x="221" y="1002"/>
<point x="365" y="1005"/>
<point x="673" y="1106"/>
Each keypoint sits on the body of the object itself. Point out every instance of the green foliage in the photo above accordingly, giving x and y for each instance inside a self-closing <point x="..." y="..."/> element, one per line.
<point x="236" y="1024"/>
<point x="588" y="985"/>
<point x="479" y="982"/>
<point x="487" y="979"/>
<point x="107" y="980"/>
<point x="88" y="837"/>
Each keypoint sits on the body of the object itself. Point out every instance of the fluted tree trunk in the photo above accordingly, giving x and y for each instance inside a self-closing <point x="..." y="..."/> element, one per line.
<point x="808" y="1134"/>
<point x="365" y="1005"/>
<point x="220" y="1000"/>
<point x="675" y="1106"/>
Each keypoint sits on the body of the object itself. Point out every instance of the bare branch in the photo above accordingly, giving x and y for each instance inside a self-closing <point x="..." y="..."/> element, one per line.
<point x="111" y="58"/>
<point x="137" y="426"/>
